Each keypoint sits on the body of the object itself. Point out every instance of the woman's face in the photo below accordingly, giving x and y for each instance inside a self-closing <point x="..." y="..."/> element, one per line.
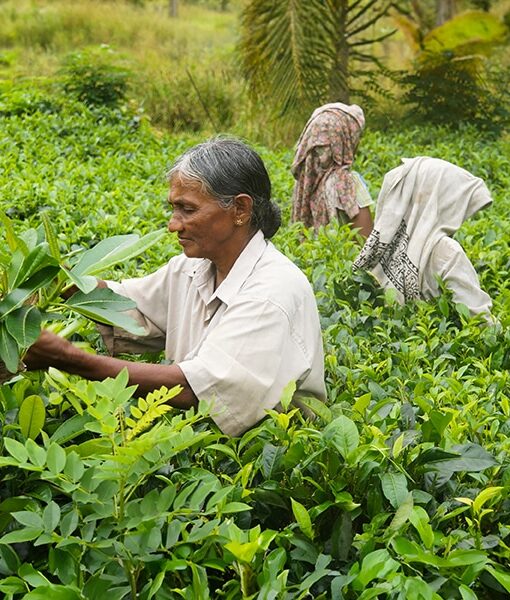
<point x="203" y="227"/>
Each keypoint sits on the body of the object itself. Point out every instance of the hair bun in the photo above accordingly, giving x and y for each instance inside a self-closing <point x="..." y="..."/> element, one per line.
<point x="272" y="220"/>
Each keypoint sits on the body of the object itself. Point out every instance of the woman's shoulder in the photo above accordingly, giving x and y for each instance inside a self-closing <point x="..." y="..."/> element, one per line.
<point x="278" y="278"/>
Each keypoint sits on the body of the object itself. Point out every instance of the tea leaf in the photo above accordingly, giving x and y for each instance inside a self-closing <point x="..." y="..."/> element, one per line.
<point x="111" y="251"/>
<point x="343" y="434"/>
<point x="302" y="518"/>
<point x="394" y="486"/>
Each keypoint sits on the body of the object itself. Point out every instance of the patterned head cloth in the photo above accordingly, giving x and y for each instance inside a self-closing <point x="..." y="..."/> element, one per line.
<point x="322" y="164"/>
<point x="420" y="202"/>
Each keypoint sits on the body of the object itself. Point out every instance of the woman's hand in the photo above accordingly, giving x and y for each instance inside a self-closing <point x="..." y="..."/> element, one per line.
<point x="50" y="350"/>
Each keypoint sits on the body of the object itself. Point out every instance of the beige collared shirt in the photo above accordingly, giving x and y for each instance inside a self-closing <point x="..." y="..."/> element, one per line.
<point x="239" y="345"/>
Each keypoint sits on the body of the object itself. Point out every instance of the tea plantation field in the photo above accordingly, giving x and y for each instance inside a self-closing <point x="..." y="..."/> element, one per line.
<point x="399" y="489"/>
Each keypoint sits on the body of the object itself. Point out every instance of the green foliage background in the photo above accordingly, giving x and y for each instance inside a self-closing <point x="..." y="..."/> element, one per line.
<point x="399" y="487"/>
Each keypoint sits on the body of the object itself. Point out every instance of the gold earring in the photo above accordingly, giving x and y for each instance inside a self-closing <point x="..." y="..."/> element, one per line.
<point x="239" y="221"/>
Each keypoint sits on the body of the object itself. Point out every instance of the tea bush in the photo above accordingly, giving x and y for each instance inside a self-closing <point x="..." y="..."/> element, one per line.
<point x="95" y="76"/>
<point x="397" y="490"/>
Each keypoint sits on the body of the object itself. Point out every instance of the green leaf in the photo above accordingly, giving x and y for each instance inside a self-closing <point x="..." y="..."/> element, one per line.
<point x="243" y="552"/>
<point x="287" y="395"/>
<point x="317" y="407"/>
<point x="55" y="592"/>
<point x="31" y="416"/>
<point x="114" y="250"/>
<point x="51" y="516"/>
<point x="70" y="428"/>
<point x="420" y="520"/>
<point x="24" y="325"/>
<point x="20" y="295"/>
<point x="486" y="495"/>
<point x="105" y="306"/>
<point x="36" y="454"/>
<point x="9" y="350"/>
<point x="376" y="565"/>
<point x="403" y="513"/>
<point x="302" y="517"/>
<point x="9" y="559"/>
<point x="394" y="487"/>
<point x="463" y="558"/>
<point x="56" y="458"/>
<point x="51" y="236"/>
<point x="472" y="458"/>
<point x="85" y="283"/>
<point x="234" y="507"/>
<point x="271" y="459"/>
<point x="28" y="518"/>
<point x="13" y="241"/>
<point x="466" y="593"/>
<point x="501" y="576"/>
<point x="16" y="449"/>
<point x="343" y="434"/>
<point x="38" y="259"/>
<point x="69" y="523"/>
<point x="74" y="468"/>
<point x="21" y="535"/>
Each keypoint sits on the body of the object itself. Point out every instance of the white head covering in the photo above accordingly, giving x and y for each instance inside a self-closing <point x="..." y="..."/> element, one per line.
<point x="421" y="201"/>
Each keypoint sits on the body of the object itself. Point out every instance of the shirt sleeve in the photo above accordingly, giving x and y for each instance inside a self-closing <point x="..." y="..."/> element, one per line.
<point x="245" y="363"/>
<point x="150" y="295"/>
<point x="450" y="262"/>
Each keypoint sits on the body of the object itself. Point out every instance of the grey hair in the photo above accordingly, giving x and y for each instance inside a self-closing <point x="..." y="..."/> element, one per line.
<point x="226" y="167"/>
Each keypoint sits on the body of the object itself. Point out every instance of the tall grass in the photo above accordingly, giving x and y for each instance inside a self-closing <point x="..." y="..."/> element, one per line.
<point x="61" y="26"/>
<point x="183" y="70"/>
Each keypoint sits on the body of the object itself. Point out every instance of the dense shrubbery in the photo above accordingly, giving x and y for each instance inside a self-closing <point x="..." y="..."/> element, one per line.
<point x="95" y="76"/>
<point x="398" y="489"/>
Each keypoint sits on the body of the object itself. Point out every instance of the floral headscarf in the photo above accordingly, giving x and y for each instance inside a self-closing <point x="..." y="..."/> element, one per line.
<point x="322" y="164"/>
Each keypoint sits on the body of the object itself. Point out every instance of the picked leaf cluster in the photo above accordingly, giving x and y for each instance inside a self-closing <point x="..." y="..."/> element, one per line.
<point x="397" y="489"/>
<point x="33" y="275"/>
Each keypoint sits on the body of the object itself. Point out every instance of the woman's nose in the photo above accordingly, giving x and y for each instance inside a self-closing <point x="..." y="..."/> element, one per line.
<point x="174" y="224"/>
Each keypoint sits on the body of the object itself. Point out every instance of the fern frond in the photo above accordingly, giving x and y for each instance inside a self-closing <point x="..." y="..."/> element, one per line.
<point x="149" y="409"/>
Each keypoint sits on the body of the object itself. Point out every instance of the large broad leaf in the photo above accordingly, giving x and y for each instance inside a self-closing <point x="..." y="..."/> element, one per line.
<point x="469" y="32"/>
<point x="114" y="250"/>
<point x="472" y="459"/>
<point x="9" y="351"/>
<point x="20" y="295"/>
<point x="24" y="325"/>
<point x="105" y="306"/>
<point x="37" y="259"/>
<point x="85" y="283"/>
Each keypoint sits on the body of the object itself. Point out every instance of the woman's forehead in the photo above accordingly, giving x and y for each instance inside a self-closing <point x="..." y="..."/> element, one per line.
<point x="187" y="188"/>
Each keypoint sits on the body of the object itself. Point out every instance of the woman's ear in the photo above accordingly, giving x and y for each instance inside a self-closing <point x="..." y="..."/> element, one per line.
<point x="243" y="208"/>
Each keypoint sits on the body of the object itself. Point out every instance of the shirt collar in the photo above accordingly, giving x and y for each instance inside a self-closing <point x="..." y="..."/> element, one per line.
<point x="241" y="269"/>
<point x="202" y="272"/>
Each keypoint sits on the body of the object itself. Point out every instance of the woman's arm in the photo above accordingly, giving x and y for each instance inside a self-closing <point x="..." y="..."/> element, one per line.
<point x="363" y="222"/>
<point x="50" y="350"/>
